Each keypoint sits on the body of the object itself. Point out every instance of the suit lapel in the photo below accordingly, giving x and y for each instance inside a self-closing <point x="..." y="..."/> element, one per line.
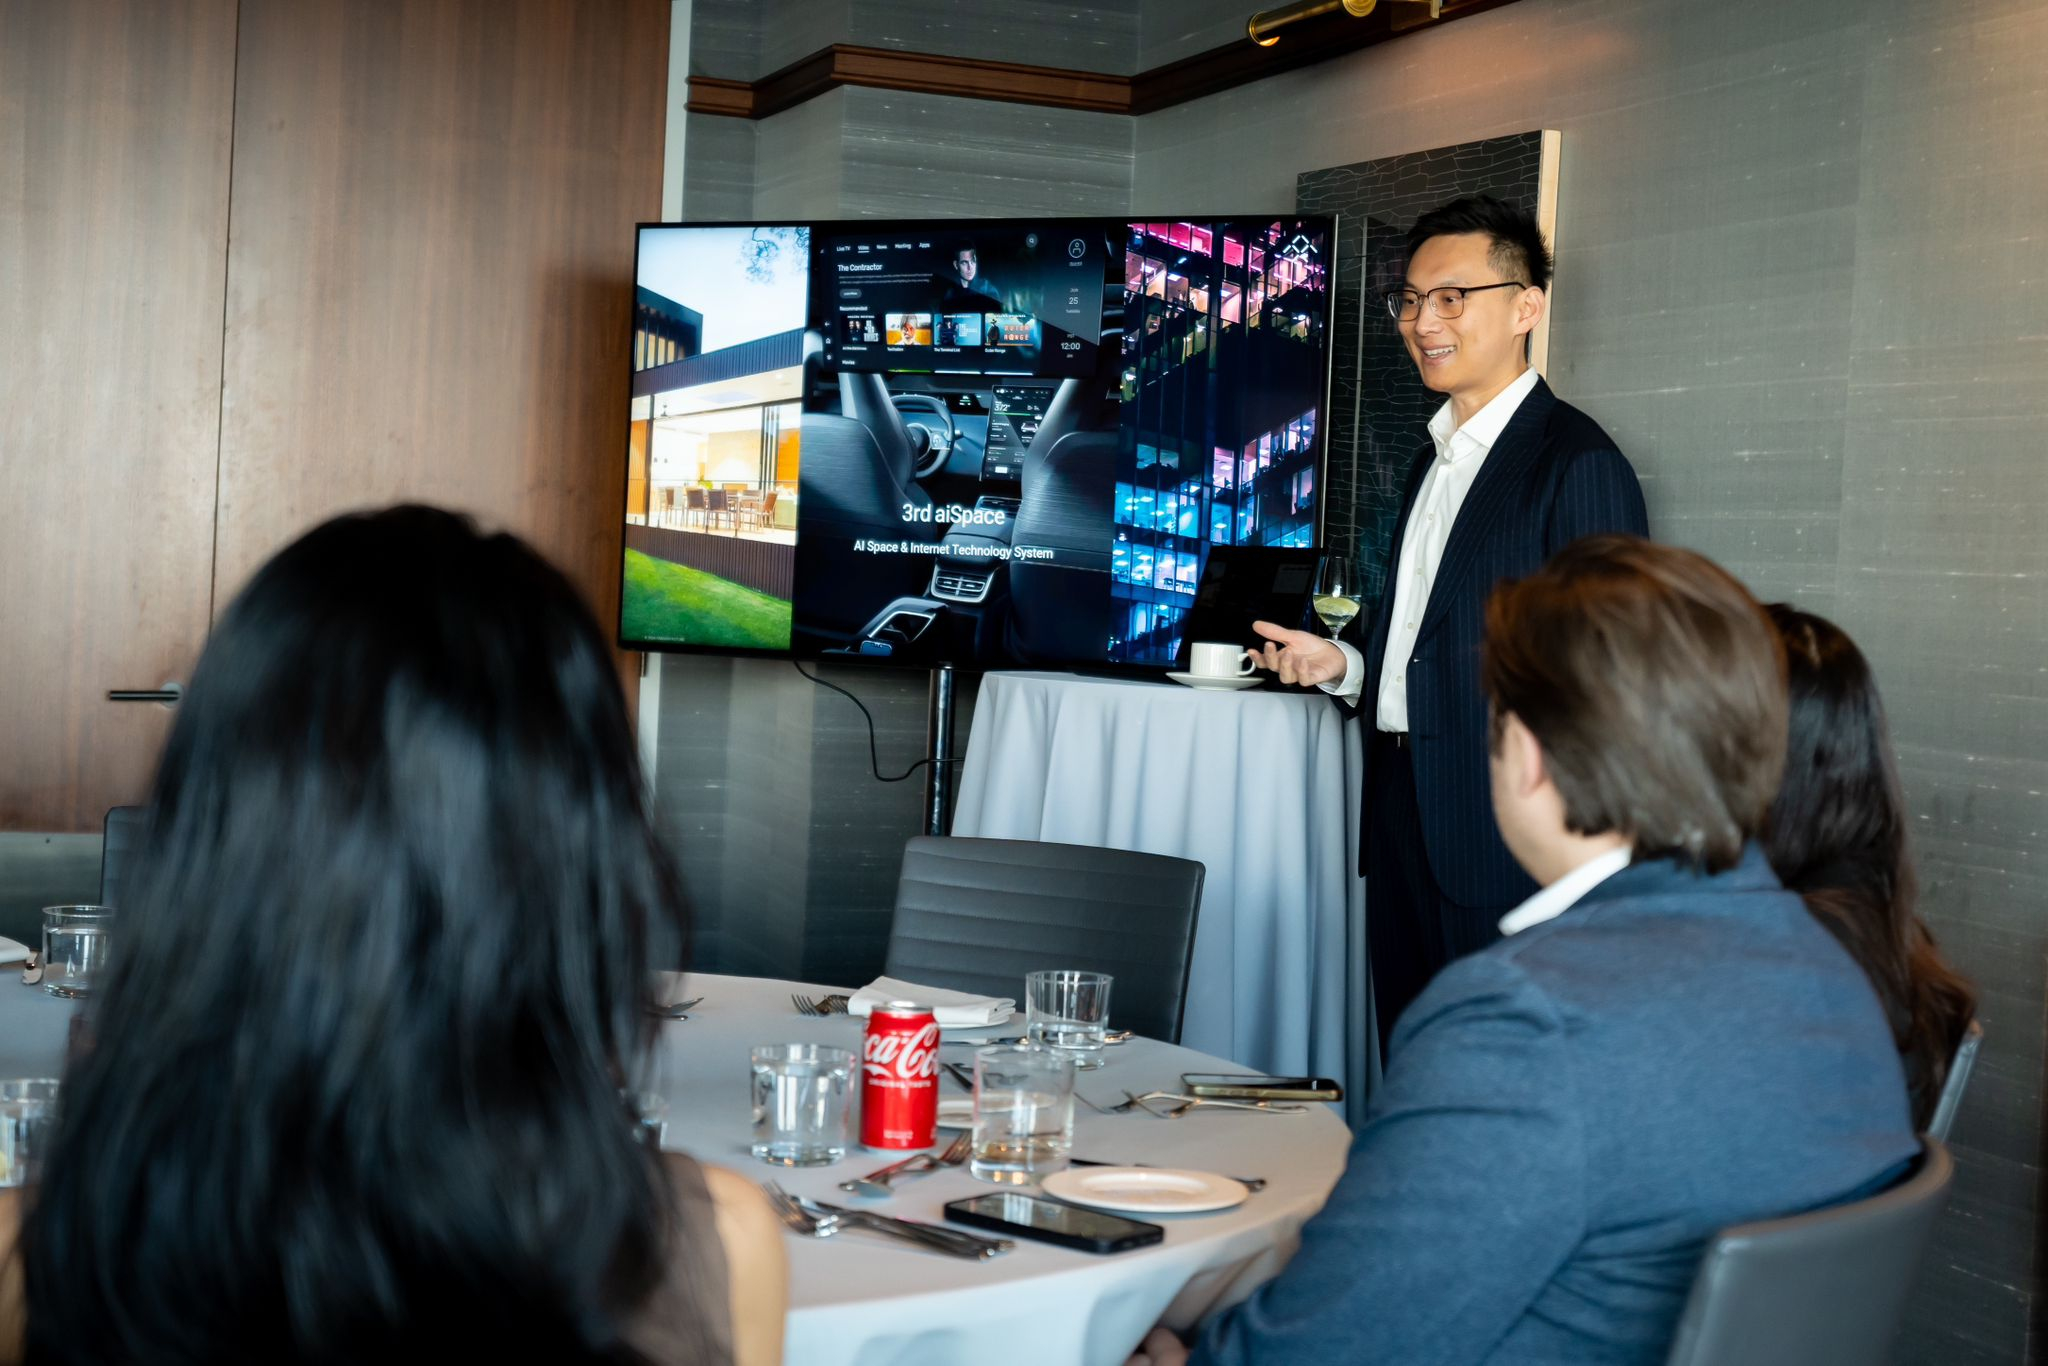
<point x="1499" y="480"/>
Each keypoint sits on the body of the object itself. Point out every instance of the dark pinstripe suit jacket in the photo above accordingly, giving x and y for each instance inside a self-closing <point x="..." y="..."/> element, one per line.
<point x="1552" y="477"/>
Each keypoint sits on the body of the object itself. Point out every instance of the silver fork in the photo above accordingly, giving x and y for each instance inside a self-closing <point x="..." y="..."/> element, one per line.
<point x="834" y="1004"/>
<point x="876" y="1183"/>
<point x="813" y="1220"/>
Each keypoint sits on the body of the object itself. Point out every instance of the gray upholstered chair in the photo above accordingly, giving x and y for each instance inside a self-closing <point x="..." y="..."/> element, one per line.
<point x="121" y="840"/>
<point x="1958" y="1079"/>
<point x="976" y="915"/>
<point x="1825" y="1286"/>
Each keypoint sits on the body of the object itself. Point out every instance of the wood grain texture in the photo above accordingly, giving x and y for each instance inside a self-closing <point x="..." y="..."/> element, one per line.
<point x="115" y="120"/>
<point x="430" y="277"/>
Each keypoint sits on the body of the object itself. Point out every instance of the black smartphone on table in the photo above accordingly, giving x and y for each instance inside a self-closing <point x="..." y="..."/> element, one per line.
<point x="1240" y="1086"/>
<point x="1049" y="1221"/>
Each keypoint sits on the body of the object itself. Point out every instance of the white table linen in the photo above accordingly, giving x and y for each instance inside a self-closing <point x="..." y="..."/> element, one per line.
<point x="859" y="1300"/>
<point x="1261" y="787"/>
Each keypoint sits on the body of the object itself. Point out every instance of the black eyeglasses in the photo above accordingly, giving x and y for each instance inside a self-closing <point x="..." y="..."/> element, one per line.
<point x="1446" y="301"/>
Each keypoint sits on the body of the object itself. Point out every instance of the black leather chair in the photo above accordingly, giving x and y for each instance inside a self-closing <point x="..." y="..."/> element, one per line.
<point x="1826" y="1286"/>
<point x="121" y="840"/>
<point x="977" y="915"/>
<point x="1958" y="1080"/>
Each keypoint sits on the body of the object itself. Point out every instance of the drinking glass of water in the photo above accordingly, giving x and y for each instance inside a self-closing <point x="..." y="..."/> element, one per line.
<point x="28" y="1123"/>
<point x="1023" y="1113"/>
<point x="75" y="945"/>
<point x="1336" y="598"/>
<point x="1069" y="1011"/>
<point x="802" y="1095"/>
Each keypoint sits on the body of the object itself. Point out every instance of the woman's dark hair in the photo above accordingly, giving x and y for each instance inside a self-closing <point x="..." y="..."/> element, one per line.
<point x="1836" y="835"/>
<point x="354" y="1091"/>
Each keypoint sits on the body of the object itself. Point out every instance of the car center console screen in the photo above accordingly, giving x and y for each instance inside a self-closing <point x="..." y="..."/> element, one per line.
<point x="1018" y="407"/>
<point x="997" y="301"/>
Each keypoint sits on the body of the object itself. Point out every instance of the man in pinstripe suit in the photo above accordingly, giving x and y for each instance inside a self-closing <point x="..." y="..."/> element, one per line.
<point x="1511" y="475"/>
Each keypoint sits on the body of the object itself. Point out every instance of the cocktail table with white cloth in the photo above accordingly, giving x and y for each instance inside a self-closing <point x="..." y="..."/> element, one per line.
<point x="861" y="1300"/>
<point x="1260" y="787"/>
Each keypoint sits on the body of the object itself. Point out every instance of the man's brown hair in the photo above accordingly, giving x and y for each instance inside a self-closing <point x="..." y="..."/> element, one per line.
<point x="1656" y="686"/>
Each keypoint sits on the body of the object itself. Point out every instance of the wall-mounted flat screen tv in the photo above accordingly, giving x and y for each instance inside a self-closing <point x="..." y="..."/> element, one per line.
<point x="989" y="443"/>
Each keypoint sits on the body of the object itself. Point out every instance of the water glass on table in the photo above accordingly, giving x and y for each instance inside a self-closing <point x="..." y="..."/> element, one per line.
<point x="28" y="1123"/>
<point x="76" y="940"/>
<point x="802" y="1103"/>
<point x="1023" y="1113"/>
<point x="1069" y="1011"/>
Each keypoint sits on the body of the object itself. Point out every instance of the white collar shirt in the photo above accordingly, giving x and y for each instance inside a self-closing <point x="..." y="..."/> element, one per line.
<point x="1460" y="453"/>
<point x="1565" y="893"/>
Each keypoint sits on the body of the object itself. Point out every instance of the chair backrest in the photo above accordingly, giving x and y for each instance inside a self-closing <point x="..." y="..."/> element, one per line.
<point x="695" y="499"/>
<point x="1826" y="1286"/>
<point x="1957" y="1081"/>
<point x="977" y="914"/>
<point x="121" y="841"/>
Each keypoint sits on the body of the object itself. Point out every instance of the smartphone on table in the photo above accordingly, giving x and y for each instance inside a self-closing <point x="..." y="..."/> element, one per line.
<point x="1243" y="1086"/>
<point x="1049" y="1221"/>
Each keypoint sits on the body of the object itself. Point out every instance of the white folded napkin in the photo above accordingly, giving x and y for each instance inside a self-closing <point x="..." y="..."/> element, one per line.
<point x="954" y="1009"/>
<point x="11" y="952"/>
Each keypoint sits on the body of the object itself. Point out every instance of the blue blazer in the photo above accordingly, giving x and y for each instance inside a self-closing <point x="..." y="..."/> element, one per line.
<point x="1552" y="477"/>
<point x="1570" y="1113"/>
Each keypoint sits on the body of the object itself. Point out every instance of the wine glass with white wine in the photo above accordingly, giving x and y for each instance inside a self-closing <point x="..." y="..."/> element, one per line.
<point x="1336" y="599"/>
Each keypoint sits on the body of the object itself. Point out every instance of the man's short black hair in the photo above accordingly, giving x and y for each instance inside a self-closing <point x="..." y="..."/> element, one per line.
<point x="1519" y="251"/>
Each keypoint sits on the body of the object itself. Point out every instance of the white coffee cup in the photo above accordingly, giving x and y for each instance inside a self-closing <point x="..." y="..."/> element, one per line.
<point x="1214" y="659"/>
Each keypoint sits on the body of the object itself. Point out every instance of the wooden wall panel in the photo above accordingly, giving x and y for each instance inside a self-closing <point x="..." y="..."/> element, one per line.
<point x="430" y="270"/>
<point x="115" y="120"/>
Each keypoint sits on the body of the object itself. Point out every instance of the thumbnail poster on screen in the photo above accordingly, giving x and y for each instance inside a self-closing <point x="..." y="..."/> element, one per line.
<point x="986" y="443"/>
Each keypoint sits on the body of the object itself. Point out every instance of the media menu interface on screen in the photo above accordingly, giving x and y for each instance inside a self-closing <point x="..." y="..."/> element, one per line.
<point x="989" y="443"/>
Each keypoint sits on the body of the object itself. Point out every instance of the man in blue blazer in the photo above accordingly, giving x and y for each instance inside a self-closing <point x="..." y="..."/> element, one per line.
<point x="1510" y="476"/>
<point x="1665" y="1044"/>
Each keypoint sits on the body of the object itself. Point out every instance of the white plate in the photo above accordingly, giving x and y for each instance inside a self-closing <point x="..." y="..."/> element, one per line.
<point x="956" y="1112"/>
<point x="1228" y="683"/>
<point x="1010" y="1024"/>
<point x="1145" y="1190"/>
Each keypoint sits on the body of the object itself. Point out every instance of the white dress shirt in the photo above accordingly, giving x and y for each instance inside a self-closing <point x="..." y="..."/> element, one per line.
<point x="1460" y="452"/>
<point x="1563" y="894"/>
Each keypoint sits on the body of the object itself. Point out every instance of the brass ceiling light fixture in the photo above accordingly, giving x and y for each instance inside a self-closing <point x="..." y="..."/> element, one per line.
<point x="1264" y="27"/>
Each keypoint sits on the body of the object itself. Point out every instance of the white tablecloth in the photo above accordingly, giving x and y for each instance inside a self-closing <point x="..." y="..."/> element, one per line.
<point x="858" y="1300"/>
<point x="1261" y="787"/>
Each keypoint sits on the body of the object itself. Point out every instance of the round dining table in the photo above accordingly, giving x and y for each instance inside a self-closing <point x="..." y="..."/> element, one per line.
<point x="862" y="1299"/>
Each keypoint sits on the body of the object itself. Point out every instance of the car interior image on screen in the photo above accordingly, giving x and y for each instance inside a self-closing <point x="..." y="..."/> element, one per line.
<point x="989" y="443"/>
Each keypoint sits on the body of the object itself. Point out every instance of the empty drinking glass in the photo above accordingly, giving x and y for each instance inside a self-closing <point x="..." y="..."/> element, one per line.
<point x="1023" y="1113"/>
<point x="75" y="944"/>
<point x="28" y="1121"/>
<point x="1069" y="1011"/>
<point x="802" y="1094"/>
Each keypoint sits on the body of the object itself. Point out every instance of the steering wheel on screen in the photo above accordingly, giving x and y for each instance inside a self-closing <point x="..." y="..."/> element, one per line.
<point x="928" y="413"/>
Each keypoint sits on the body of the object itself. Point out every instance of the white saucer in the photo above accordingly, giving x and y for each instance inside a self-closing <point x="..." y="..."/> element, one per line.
<point x="956" y="1112"/>
<point x="1209" y="683"/>
<point x="11" y="952"/>
<point x="1145" y="1190"/>
<point x="1009" y="1024"/>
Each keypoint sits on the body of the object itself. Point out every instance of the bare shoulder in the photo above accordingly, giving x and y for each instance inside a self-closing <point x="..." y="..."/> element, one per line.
<point x="757" y="1272"/>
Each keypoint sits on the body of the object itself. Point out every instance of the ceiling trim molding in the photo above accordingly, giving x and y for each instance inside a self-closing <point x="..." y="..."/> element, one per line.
<point x="924" y="73"/>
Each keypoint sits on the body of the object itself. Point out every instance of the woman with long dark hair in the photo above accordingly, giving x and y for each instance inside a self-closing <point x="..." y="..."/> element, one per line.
<point x="1837" y="836"/>
<point x="354" y="1092"/>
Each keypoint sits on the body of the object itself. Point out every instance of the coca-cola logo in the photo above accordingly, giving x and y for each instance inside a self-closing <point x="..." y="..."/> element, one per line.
<point x="902" y="1057"/>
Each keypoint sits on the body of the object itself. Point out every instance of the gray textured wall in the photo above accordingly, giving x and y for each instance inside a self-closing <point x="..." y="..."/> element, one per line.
<point x="1798" y="280"/>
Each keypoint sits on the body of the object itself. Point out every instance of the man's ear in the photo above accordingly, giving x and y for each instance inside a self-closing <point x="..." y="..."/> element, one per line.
<point x="1530" y="306"/>
<point x="1522" y="753"/>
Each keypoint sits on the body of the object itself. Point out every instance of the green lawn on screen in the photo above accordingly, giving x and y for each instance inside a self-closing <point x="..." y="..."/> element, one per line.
<point x="670" y="602"/>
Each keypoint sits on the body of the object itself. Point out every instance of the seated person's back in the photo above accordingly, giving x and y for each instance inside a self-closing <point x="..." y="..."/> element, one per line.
<point x="355" y="1090"/>
<point x="1665" y="1044"/>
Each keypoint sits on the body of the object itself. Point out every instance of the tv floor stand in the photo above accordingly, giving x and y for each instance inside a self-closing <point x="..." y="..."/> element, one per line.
<point x="938" y="752"/>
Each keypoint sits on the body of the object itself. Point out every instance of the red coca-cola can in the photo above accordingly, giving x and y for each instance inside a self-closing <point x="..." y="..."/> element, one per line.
<point x="899" y="1077"/>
